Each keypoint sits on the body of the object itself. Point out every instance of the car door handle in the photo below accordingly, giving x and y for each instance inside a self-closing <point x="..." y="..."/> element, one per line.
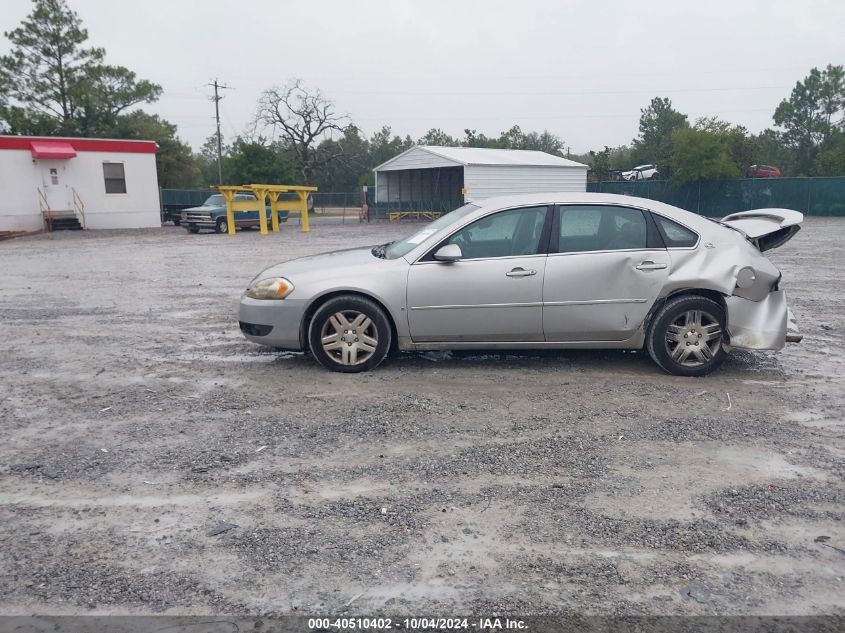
<point x="520" y="272"/>
<point x="649" y="265"/>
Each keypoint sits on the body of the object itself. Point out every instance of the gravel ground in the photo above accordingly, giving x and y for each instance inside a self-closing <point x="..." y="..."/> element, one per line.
<point x="154" y="461"/>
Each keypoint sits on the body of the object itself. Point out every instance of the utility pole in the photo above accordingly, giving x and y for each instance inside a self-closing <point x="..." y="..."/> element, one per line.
<point x="216" y="98"/>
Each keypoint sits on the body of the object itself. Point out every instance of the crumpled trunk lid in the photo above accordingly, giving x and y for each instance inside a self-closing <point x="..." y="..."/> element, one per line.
<point x="766" y="228"/>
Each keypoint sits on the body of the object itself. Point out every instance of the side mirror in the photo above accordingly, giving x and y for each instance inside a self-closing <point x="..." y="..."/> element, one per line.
<point x="448" y="253"/>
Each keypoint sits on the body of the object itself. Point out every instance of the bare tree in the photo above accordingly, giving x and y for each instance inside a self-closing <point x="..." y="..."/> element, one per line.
<point x="303" y="117"/>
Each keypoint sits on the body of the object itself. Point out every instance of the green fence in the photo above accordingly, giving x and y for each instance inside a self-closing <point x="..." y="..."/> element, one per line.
<point x="184" y="197"/>
<point x="812" y="196"/>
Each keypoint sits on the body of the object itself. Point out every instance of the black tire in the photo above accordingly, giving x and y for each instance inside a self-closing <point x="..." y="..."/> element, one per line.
<point x="699" y="346"/>
<point x="222" y="225"/>
<point x="375" y="326"/>
<point x="193" y="229"/>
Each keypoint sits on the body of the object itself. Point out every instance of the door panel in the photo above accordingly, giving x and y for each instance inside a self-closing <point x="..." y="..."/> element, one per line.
<point x="601" y="296"/>
<point x="497" y="299"/>
<point x="607" y="270"/>
<point x="495" y="293"/>
<point x="55" y="189"/>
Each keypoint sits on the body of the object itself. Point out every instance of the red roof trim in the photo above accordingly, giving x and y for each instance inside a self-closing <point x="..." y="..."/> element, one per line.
<point x="52" y="149"/>
<point x="82" y="144"/>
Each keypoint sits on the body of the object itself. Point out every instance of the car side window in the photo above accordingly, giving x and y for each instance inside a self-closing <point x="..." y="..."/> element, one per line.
<point x="504" y="234"/>
<point x="675" y="235"/>
<point x="601" y="228"/>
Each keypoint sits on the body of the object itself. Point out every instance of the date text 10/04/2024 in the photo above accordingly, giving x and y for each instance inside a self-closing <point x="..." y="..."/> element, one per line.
<point x="412" y="624"/>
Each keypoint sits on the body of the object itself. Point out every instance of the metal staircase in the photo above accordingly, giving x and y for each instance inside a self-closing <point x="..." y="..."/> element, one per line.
<point x="62" y="219"/>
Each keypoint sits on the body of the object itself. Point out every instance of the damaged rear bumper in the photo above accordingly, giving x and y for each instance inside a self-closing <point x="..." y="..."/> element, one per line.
<point x="761" y="325"/>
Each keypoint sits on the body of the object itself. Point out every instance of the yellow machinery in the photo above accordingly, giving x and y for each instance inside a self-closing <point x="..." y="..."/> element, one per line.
<point x="262" y="193"/>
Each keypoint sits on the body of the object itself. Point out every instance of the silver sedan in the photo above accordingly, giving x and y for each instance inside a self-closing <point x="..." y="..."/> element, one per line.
<point x="537" y="271"/>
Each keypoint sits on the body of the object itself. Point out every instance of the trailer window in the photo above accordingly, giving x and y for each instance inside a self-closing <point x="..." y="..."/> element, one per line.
<point x="115" y="177"/>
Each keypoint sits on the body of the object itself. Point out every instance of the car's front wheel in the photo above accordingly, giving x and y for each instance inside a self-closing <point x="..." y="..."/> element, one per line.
<point x="222" y="226"/>
<point x="686" y="336"/>
<point x="350" y="334"/>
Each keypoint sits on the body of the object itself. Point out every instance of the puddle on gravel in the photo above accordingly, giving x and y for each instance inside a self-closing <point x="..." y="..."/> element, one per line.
<point x="815" y="419"/>
<point x="416" y="591"/>
<point x="677" y="478"/>
<point x="229" y="358"/>
<point x="150" y="501"/>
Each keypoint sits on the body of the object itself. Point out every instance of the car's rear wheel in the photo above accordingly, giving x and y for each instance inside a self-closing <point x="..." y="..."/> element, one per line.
<point x="686" y="336"/>
<point x="222" y="226"/>
<point x="350" y="334"/>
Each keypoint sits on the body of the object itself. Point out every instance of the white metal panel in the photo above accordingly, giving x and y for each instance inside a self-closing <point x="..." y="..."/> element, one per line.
<point x="488" y="156"/>
<point x="426" y="156"/>
<point x="20" y="176"/>
<point x="416" y="158"/>
<point x="487" y="181"/>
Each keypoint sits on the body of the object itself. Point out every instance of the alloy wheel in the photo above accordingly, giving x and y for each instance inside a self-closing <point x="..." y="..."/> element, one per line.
<point x="349" y="337"/>
<point x="694" y="338"/>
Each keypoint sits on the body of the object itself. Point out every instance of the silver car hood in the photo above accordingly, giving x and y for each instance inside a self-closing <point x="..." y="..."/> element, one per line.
<point x="324" y="264"/>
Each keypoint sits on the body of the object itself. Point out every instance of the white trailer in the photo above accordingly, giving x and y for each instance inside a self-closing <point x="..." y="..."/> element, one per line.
<point x="77" y="183"/>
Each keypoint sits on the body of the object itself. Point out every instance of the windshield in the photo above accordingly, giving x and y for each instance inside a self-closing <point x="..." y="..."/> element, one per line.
<point x="215" y="201"/>
<point x="404" y="246"/>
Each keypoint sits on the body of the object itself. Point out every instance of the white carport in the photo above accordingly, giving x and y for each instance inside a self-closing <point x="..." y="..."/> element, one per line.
<point x="428" y="173"/>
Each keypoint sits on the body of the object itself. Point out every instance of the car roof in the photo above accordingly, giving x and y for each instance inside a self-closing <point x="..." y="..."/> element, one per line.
<point x="577" y="197"/>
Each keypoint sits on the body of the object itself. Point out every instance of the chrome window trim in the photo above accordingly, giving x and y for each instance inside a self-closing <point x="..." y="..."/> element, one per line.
<point x="615" y="250"/>
<point x="482" y="259"/>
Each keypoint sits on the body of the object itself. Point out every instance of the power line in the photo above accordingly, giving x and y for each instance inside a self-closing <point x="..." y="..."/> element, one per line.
<point x="523" y="93"/>
<point x="564" y="76"/>
<point x="470" y="117"/>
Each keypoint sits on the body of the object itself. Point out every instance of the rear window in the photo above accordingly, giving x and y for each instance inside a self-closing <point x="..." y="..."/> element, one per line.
<point x="601" y="228"/>
<point x="675" y="235"/>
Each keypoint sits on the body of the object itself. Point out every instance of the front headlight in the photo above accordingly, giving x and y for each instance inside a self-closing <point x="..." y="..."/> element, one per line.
<point x="269" y="288"/>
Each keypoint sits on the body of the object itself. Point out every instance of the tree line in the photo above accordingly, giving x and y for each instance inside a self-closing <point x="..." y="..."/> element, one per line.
<point x="51" y="84"/>
<point x="808" y="138"/>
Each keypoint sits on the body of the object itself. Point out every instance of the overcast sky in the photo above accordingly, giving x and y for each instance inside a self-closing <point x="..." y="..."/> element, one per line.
<point x="582" y="70"/>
